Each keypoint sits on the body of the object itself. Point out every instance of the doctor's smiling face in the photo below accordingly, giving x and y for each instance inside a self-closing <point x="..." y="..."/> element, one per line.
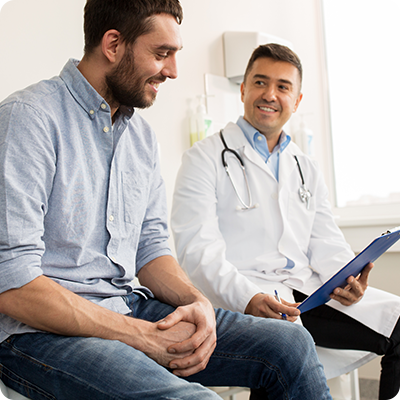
<point x="270" y="93"/>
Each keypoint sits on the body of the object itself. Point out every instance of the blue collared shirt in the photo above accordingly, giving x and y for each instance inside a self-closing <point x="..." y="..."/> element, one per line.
<point x="81" y="200"/>
<point x="259" y="143"/>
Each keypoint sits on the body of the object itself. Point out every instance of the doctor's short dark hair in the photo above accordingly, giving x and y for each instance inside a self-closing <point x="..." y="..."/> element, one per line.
<point x="131" y="18"/>
<point x="276" y="52"/>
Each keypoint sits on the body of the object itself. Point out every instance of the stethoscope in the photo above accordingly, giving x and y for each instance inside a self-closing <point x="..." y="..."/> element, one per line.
<point x="304" y="193"/>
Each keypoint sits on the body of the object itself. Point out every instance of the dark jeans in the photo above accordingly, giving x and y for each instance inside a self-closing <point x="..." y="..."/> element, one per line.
<point x="251" y="352"/>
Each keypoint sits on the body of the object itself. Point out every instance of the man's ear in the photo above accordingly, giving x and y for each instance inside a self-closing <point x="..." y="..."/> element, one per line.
<point x="111" y="45"/>
<point x="242" y="91"/>
<point x="296" y="104"/>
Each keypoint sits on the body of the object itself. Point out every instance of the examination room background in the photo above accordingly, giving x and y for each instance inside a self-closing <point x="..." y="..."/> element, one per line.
<point x="38" y="36"/>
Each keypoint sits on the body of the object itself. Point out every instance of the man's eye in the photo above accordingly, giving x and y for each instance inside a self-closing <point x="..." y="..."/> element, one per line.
<point x="260" y="83"/>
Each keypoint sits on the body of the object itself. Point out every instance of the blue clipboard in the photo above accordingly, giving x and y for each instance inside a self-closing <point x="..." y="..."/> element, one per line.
<point x="372" y="252"/>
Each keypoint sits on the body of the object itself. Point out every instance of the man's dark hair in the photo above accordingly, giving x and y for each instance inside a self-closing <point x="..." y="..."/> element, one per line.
<point x="276" y="52"/>
<point x="131" y="18"/>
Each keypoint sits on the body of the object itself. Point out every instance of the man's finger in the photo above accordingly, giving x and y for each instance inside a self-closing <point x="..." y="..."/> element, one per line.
<point x="195" y="362"/>
<point x="365" y="273"/>
<point x="170" y="320"/>
<point x="195" y="342"/>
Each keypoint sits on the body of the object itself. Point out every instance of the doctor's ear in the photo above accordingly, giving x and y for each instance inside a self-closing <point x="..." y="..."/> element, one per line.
<point x="297" y="102"/>
<point x="242" y="91"/>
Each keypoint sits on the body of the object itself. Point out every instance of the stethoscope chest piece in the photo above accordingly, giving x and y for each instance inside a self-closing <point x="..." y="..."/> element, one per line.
<point x="304" y="193"/>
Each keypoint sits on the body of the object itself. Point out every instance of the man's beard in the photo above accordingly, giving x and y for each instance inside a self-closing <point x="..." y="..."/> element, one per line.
<point x="125" y="86"/>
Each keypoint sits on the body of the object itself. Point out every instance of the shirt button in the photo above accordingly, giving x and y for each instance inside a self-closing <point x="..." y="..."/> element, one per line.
<point x="103" y="106"/>
<point x="91" y="112"/>
<point x="111" y="218"/>
<point x="106" y="129"/>
<point x="259" y="138"/>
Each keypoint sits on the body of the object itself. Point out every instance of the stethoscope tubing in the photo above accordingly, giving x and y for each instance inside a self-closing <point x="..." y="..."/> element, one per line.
<point x="225" y="164"/>
<point x="304" y="193"/>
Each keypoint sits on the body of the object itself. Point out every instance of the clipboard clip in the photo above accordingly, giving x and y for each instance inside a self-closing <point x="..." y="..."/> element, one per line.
<point x="397" y="228"/>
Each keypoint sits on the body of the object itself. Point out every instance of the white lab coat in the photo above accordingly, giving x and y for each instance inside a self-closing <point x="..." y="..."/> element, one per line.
<point x="232" y="255"/>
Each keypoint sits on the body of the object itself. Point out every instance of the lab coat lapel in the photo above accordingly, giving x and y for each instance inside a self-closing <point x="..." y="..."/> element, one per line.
<point x="255" y="158"/>
<point x="236" y="139"/>
<point x="287" y="166"/>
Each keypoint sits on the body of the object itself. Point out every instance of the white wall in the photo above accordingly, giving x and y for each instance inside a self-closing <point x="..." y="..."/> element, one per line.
<point x="36" y="39"/>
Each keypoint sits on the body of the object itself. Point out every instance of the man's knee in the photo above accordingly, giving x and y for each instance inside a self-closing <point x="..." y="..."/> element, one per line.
<point x="291" y="343"/>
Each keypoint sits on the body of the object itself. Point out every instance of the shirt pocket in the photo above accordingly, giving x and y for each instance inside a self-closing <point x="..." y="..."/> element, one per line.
<point x="135" y="190"/>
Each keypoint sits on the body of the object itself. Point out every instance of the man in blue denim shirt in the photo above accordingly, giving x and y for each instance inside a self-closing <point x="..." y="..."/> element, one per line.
<point x="83" y="212"/>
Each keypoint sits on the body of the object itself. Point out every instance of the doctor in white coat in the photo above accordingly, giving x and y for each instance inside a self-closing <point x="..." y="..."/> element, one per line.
<point x="242" y="235"/>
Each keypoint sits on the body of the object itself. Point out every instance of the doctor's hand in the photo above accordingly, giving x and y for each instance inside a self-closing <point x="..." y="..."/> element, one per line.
<point x="267" y="306"/>
<point x="355" y="289"/>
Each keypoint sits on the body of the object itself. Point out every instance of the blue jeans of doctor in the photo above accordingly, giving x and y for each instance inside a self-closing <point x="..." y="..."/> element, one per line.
<point x="251" y="352"/>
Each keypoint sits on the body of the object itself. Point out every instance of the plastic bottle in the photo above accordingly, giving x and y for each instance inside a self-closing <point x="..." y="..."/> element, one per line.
<point x="200" y="125"/>
<point x="200" y="122"/>
<point x="193" y="126"/>
<point x="304" y="137"/>
<point x="204" y="120"/>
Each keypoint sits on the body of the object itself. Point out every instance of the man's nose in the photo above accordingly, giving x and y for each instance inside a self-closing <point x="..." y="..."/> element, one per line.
<point x="269" y="93"/>
<point x="170" y="69"/>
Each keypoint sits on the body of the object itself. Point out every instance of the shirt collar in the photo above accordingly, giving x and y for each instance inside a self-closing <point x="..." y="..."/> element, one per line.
<point x="252" y="135"/>
<point x="84" y="93"/>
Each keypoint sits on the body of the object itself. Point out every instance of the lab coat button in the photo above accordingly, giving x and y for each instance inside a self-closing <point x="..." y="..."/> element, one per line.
<point x="274" y="196"/>
<point x="111" y="218"/>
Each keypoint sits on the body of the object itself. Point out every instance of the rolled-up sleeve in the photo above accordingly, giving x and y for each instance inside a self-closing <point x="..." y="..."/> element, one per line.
<point x="27" y="163"/>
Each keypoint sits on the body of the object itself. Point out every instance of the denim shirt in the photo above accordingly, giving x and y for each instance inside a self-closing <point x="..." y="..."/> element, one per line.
<point x="81" y="201"/>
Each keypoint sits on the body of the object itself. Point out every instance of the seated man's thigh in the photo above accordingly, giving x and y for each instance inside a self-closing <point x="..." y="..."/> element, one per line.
<point x="46" y="366"/>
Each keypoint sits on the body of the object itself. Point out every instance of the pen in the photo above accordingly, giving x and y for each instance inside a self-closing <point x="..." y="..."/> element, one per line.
<point x="284" y="316"/>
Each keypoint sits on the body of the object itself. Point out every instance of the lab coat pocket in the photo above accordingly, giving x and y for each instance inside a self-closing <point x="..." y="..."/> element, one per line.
<point x="300" y="217"/>
<point x="135" y="193"/>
